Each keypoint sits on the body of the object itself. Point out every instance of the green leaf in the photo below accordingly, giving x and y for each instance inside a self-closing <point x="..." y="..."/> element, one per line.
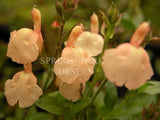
<point x="99" y="101"/>
<point x="151" y="88"/>
<point x="40" y="116"/>
<point x="81" y="104"/>
<point x="10" y="118"/>
<point x="34" y="115"/>
<point x="105" y="19"/>
<point x="110" y="31"/>
<point x="51" y="104"/>
<point x="111" y="95"/>
<point x="144" y="87"/>
<point x="133" y="106"/>
<point x="91" y="114"/>
<point x="68" y="15"/>
<point x="19" y="113"/>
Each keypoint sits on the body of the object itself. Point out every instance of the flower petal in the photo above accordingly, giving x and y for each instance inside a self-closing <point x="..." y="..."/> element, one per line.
<point x="72" y="91"/>
<point x="74" y="64"/>
<point x="23" y="88"/>
<point x="91" y="43"/>
<point x="22" y="48"/>
<point x="127" y="65"/>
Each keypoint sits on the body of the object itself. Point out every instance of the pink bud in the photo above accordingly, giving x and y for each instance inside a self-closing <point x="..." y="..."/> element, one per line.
<point x="55" y="24"/>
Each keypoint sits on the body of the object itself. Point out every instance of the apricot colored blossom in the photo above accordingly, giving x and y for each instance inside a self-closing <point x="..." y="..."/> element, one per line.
<point x="73" y="68"/>
<point x="91" y="42"/>
<point x="74" y="64"/>
<point x="22" y="88"/>
<point x="72" y="91"/>
<point x="129" y="64"/>
<point x="25" y="44"/>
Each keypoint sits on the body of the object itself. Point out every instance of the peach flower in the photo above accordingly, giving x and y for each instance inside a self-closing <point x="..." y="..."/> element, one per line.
<point x="129" y="64"/>
<point x="25" y="44"/>
<point x="73" y="68"/>
<point x="91" y="42"/>
<point x="72" y="91"/>
<point x="22" y="88"/>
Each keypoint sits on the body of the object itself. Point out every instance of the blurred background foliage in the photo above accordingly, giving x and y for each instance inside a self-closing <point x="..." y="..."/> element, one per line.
<point x="16" y="14"/>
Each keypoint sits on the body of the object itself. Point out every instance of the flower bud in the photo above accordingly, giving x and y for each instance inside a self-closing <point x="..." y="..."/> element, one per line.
<point x="58" y="8"/>
<point x="69" y="7"/>
<point x="113" y="13"/>
<point x="94" y="23"/>
<point x="70" y="4"/>
<point x="56" y="31"/>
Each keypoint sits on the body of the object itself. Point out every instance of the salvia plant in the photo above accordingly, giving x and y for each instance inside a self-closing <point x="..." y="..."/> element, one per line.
<point x="87" y="69"/>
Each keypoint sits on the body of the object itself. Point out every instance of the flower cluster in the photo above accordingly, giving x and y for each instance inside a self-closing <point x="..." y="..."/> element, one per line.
<point x="78" y="64"/>
<point x="128" y="64"/>
<point x="23" y="48"/>
<point x="75" y="66"/>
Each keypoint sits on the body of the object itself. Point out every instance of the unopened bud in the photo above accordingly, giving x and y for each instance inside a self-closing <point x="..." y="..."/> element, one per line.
<point x="58" y="8"/>
<point x="56" y="31"/>
<point x="94" y="23"/>
<point x="65" y="6"/>
<point x="113" y="13"/>
<point x="55" y="24"/>
<point x="69" y="7"/>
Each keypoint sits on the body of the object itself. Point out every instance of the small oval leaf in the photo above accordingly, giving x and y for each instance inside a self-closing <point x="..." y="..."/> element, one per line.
<point x="50" y="104"/>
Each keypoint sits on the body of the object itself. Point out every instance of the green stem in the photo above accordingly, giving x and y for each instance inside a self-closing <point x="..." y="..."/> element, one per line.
<point x="97" y="70"/>
<point x="99" y="89"/>
<point x="74" y="118"/>
<point x="120" y="105"/>
<point x="109" y="34"/>
<point x="58" y="48"/>
<point x="25" y="113"/>
<point x="97" y="93"/>
<point x="48" y="78"/>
